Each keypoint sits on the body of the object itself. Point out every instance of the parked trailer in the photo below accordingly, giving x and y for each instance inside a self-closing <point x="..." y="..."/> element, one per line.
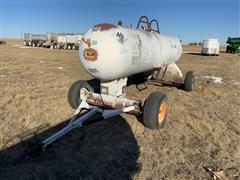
<point x="210" y="47"/>
<point x="35" y="40"/>
<point x="67" y="41"/>
<point x="51" y="39"/>
<point x="78" y="37"/>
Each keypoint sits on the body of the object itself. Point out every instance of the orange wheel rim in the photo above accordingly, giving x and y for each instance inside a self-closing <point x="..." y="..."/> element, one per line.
<point x="162" y="111"/>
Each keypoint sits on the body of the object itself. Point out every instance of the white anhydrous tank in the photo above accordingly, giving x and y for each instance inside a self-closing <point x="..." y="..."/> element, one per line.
<point x="109" y="51"/>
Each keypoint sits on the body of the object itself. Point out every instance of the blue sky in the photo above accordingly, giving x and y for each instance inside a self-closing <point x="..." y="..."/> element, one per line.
<point x="192" y="20"/>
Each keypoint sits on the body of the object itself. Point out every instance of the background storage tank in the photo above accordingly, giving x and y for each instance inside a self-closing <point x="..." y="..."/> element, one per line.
<point x="210" y="47"/>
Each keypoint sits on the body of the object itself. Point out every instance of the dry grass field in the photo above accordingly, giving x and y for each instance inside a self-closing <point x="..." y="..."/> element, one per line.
<point x="203" y="127"/>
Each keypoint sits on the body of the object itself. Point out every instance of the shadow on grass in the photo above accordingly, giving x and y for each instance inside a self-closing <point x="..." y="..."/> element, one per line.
<point x="102" y="150"/>
<point x="194" y="53"/>
<point x="200" y="54"/>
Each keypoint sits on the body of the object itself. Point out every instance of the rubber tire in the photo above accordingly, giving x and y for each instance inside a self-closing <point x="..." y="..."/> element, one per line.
<point x="227" y="50"/>
<point x="189" y="81"/>
<point x="151" y="110"/>
<point x="74" y="93"/>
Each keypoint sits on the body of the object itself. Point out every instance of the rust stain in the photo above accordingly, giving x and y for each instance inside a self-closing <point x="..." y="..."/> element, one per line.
<point x="90" y="54"/>
<point x="97" y="100"/>
<point x="88" y="42"/>
<point x="103" y="27"/>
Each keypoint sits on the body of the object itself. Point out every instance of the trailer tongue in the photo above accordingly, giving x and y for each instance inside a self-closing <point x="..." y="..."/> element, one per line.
<point x="79" y="119"/>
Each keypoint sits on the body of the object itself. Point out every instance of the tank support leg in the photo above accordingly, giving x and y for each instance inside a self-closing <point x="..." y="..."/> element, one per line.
<point x="171" y="76"/>
<point x="165" y="70"/>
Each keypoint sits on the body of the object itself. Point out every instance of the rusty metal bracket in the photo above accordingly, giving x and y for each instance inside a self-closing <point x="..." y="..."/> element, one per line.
<point x="113" y="102"/>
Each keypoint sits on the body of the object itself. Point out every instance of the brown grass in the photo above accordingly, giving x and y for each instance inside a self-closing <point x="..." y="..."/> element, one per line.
<point x="203" y="127"/>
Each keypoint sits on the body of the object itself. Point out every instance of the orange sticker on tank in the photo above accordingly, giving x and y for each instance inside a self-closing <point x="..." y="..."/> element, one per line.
<point x="90" y="54"/>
